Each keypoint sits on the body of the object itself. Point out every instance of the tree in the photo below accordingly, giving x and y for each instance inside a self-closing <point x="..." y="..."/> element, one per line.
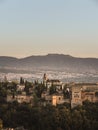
<point x="52" y="90"/>
<point x="39" y="90"/>
<point x="1" y="124"/>
<point x="21" y="80"/>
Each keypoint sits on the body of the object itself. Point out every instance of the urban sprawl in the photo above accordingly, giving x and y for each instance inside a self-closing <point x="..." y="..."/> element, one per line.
<point x="48" y="92"/>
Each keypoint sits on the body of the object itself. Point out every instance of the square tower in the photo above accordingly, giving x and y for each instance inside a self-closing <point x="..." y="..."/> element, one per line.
<point x="76" y="96"/>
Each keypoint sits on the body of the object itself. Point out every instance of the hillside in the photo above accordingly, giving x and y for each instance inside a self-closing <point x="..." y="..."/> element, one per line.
<point x="52" y="62"/>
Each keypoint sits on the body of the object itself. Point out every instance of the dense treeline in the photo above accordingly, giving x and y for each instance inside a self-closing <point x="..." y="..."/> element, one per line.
<point x="49" y="117"/>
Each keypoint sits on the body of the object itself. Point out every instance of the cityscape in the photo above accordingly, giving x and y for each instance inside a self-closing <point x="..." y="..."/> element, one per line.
<point x="48" y="65"/>
<point x="48" y="93"/>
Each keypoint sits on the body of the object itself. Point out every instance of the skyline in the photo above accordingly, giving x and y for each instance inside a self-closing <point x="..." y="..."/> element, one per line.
<point x="42" y="27"/>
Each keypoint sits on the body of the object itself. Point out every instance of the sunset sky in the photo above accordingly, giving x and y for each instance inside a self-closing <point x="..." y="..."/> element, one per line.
<point x="38" y="27"/>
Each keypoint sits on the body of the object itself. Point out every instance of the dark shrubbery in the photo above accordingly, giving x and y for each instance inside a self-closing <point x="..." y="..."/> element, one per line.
<point x="50" y="118"/>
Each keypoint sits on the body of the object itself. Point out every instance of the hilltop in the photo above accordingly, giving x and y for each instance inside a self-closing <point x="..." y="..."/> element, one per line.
<point x="50" y="61"/>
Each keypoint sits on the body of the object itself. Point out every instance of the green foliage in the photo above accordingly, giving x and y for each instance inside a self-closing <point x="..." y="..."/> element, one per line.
<point x="52" y="90"/>
<point x="50" y="118"/>
<point x="21" y="80"/>
<point x="47" y="117"/>
<point x="39" y="89"/>
<point x="28" y="85"/>
<point x="96" y="94"/>
<point x="1" y="124"/>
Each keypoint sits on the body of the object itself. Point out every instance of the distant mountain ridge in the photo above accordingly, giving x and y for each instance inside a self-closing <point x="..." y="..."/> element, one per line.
<point x="50" y="61"/>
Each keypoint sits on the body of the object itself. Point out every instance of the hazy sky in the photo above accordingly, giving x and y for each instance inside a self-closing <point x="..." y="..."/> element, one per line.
<point x="33" y="27"/>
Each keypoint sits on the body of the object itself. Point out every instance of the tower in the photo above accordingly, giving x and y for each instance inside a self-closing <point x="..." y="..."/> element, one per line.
<point x="76" y="96"/>
<point x="5" y="79"/>
<point x="45" y="79"/>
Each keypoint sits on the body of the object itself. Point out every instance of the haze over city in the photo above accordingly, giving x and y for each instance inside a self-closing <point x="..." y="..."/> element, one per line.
<point x="54" y="26"/>
<point x="48" y="64"/>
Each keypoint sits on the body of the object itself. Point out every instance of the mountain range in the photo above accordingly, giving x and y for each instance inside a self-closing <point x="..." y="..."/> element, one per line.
<point x="51" y="62"/>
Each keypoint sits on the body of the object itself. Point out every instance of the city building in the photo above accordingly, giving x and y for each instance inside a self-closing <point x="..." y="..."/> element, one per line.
<point x="20" y="98"/>
<point x="52" y="82"/>
<point x="76" y="96"/>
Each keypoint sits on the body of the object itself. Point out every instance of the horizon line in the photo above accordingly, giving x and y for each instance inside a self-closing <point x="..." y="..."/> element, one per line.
<point x="46" y="55"/>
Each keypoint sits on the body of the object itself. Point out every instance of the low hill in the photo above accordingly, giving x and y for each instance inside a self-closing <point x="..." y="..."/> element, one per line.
<point x="52" y="62"/>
